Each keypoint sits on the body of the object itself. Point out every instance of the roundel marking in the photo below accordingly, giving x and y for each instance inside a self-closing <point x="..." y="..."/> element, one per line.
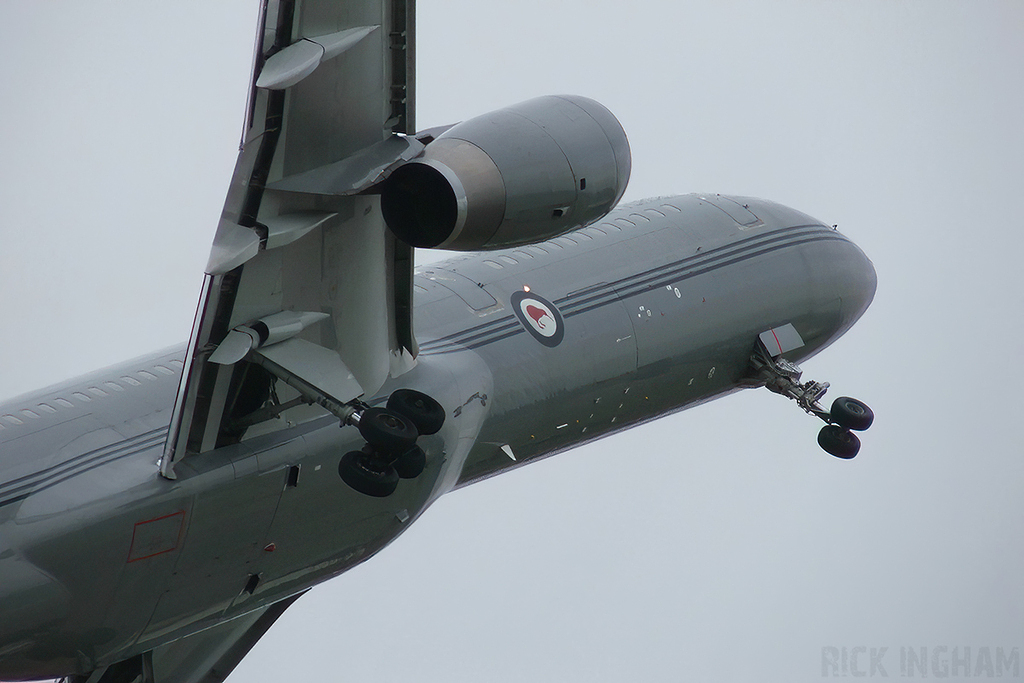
<point x="540" y="317"/>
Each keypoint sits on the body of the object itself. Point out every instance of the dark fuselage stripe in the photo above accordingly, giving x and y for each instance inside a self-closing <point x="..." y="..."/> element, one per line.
<point x="706" y="262"/>
<point x="588" y="299"/>
<point x="685" y="274"/>
<point x="19" y="488"/>
<point x="612" y="289"/>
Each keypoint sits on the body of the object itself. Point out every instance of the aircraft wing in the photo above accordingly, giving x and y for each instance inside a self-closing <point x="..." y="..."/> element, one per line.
<point x="304" y="281"/>
<point x="204" y="657"/>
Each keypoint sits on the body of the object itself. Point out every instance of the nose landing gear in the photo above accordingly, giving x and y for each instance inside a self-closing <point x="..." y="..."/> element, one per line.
<point x="390" y="452"/>
<point x="837" y="441"/>
<point x="846" y="416"/>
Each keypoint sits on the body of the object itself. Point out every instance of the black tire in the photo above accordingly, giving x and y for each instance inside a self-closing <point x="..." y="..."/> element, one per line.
<point x="366" y="476"/>
<point x="387" y="431"/>
<point x="842" y="443"/>
<point x="411" y="464"/>
<point x="420" y="409"/>
<point x="850" y="413"/>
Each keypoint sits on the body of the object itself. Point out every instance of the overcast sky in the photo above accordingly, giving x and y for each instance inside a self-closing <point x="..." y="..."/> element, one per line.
<point x="718" y="544"/>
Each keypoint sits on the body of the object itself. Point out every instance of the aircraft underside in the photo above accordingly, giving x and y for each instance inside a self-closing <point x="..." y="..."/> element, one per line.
<point x="232" y="535"/>
<point x="158" y="516"/>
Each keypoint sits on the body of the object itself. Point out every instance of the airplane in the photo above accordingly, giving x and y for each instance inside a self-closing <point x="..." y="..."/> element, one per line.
<point x="159" y="515"/>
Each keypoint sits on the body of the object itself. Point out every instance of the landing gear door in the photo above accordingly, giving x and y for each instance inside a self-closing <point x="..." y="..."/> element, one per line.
<point x="779" y="340"/>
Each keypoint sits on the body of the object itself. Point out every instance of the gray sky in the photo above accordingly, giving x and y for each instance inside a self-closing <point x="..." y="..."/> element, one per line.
<point x="718" y="544"/>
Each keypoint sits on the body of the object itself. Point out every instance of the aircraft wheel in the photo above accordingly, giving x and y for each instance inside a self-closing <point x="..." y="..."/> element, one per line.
<point x="387" y="431"/>
<point x="367" y="477"/>
<point x="850" y="413"/>
<point x="411" y="463"/>
<point x="837" y="441"/>
<point x="420" y="409"/>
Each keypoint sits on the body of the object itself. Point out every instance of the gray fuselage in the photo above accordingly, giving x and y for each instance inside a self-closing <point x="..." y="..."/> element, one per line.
<point x="656" y="308"/>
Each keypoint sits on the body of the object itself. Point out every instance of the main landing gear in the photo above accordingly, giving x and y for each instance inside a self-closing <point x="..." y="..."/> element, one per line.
<point x="846" y="416"/>
<point x="390" y="452"/>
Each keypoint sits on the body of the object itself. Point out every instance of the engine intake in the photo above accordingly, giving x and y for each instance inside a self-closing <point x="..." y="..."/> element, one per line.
<point x="518" y="175"/>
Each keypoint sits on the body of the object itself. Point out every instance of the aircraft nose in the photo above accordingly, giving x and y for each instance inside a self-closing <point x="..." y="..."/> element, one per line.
<point x="855" y="279"/>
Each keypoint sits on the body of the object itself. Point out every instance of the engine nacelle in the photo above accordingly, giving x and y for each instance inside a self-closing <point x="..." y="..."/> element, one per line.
<point x="518" y="175"/>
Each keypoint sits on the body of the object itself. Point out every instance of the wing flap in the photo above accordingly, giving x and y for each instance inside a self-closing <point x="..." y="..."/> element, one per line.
<point x="319" y="368"/>
<point x="355" y="174"/>
<point x="209" y="656"/>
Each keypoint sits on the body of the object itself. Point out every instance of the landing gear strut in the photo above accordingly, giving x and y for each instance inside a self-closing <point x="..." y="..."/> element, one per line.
<point x="390" y="433"/>
<point x="846" y="416"/>
<point x="390" y="452"/>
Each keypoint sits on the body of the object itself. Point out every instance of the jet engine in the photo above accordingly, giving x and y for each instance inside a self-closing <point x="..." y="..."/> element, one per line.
<point x="514" y="176"/>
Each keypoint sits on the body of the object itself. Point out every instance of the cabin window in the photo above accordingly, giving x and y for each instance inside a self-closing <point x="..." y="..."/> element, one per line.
<point x="146" y="374"/>
<point x="114" y="386"/>
<point x="641" y="216"/>
<point x="522" y="254"/>
<point x="96" y="391"/>
<point x="162" y="370"/>
<point x="494" y="264"/>
<point x="13" y="420"/>
<point x="611" y="226"/>
<point x="567" y="239"/>
<point x="81" y="397"/>
<point x="509" y="260"/>
<point x="655" y="211"/>
<point x="131" y="380"/>
<point x="29" y="414"/>
<point x="671" y="207"/>
<point x="64" y="403"/>
<point x="625" y="222"/>
<point x="538" y="249"/>
<point x="177" y="364"/>
<point x="46" y="408"/>
<point x="594" y="231"/>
